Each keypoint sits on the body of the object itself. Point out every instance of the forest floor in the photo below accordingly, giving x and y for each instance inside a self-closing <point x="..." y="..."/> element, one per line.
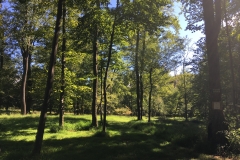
<point x="126" y="139"/>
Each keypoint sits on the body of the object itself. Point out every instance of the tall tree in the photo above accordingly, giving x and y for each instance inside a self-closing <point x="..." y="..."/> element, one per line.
<point x="136" y="68"/>
<point x="61" y="106"/>
<point x="49" y="84"/>
<point x="25" y="43"/>
<point x="212" y="12"/>
<point x="95" y="70"/>
<point x="1" y="46"/>
<point x="150" y="95"/>
<point x="1" y="37"/>
<point x="29" y="85"/>
<point x="230" y="54"/>
<point x="107" y="67"/>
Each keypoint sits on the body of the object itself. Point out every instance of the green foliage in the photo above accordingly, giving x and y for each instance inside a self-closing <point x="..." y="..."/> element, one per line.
<point x="102" y="134"/>
<point x="54" y="128"/>
<point x="122" y="111"/>
<point x="233" y="148"/>
<point x="82" y="126"/>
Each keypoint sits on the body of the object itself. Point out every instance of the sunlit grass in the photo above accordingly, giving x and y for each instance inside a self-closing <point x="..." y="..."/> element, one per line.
<point x="126" y="138"/>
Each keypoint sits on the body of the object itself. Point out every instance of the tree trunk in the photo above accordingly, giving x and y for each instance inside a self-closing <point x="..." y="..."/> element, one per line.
<point x="49" y="84"/>
<point x="25" y="55"/>
<point x="185" y="92"/>
<point x="62" y="93"/>
<point x="141" y="74"/>
<point x="100" y="103"/>
<point x="95" y="73"/>
<point x="212" y="19"/>
<point x="106" y="72"/>
<point x="150" y="95"/>
<point x="24" y="82"/>
<point x="29" y="85"/>
<point x="137" y="78"/>
<point x="1" y="48"/>
<point x="234" y="99"/>
<point x="1" y="53"/>
<point x="141" y="95"/>
<point x="95" y="82"/>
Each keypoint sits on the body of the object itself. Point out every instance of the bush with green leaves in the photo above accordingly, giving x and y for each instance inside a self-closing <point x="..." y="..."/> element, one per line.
<point x="233" y="137"/>
<point x="55" y="128"/>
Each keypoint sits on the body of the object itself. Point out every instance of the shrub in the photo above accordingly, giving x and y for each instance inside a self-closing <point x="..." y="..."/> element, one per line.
<point x="101" y="134"/>
<point x="54" y="128"/>
<point x="233" y="137"/>
<point x="82" y="126"/>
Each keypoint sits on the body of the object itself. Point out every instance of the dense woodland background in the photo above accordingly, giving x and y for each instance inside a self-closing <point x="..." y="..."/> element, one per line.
<point x="126" y="58"/>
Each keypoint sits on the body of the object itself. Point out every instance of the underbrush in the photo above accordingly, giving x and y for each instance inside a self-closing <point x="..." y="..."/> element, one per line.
<point x="71" y="126"/>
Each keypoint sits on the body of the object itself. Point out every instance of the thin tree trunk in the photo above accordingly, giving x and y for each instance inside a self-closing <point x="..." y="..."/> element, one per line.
<point x="43" y="116"/>
<point x="137" y="78"/>
<point x="185" y="92"/>
<point x="1" y="47"/>
<point x="150" y="95"/>
<point x="100" y="104"/>
<point x="212" y="19"/>
<point x="95" y="81"/>
<point x="62" y="93"/>
<point x="141" y="95"/>
<point x="95" y="73"/>
<point x="1" y="53"/>
<point x="141" y="74"/>
<point x="25" y="56"/>
<point x="106" y="71"/>
<point x="231" y="63"/>
<point x="24" y="83"/>
<point x="29" y="85"/>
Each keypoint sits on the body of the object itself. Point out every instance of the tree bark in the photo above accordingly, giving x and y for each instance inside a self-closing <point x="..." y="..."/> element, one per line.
<point x="49" y="84"/>
<point x="100" y="103"/>
<point x="106" y="72"/>
<point x="141" y="74"/>
<point x="150" y="95"/>
<point x="185" y="92"/>
<point x="230" y="59"/>
<point x="1" y="48"/>
<point x="95" y="81"/>
<point x="1" y="52"/>
<point x="212" y="20"/>
<point x="137" y="78"/>
<point x="61" y="106"/>
<point x="95" y="73"/>
<point x="24" y="82"/>
<point x="29" y="84"/>
<point x="25" y="55"/>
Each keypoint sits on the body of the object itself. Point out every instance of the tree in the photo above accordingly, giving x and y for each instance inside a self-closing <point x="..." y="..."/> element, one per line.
<point x="48" y="89"/>
<point x="106" y="71"/>
<point x="1" y="46"/>
<point x="95" y="71"/>
<point x="1" y="38"/>
<point x="140" y="21"/>
<point x="61" y="106"/>
<point x="210" y="12"/>
<point x="25" y="45"/>
<point x="212" y="19"/>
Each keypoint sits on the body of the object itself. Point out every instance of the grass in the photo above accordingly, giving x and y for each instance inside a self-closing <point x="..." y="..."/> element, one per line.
<point x="125" y="139"/>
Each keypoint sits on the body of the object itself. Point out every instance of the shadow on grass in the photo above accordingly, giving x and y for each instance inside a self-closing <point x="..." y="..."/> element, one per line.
<point x="170" y="139"/>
